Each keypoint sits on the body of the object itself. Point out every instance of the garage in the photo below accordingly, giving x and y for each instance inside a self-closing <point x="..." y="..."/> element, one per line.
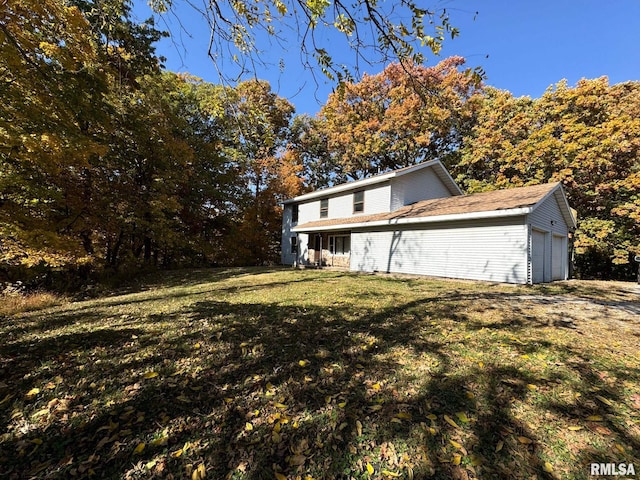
<point x="538" y="255"/>
<point x="558" y="256"/>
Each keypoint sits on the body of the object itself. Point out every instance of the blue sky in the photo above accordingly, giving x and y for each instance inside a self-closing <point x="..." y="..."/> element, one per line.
<point x="523" y="46"/>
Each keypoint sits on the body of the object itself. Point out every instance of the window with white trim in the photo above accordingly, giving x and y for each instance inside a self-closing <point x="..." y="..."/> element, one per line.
<point x="358" y="201"/>
<point x="324" y="208"/>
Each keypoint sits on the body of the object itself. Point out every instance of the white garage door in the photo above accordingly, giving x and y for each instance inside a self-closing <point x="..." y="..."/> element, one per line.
<point x="538" y="253"/>
<point x="558" y="255"/>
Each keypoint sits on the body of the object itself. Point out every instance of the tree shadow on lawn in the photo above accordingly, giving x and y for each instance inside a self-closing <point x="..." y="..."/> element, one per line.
<point x="252" y="389"/>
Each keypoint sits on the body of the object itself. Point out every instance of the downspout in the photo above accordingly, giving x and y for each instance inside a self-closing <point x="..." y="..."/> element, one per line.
<point x="571" y="253"/>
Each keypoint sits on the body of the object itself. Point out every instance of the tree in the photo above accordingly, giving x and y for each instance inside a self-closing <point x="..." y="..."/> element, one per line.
<point x="51" y="114"/>
<point x="375" y="32"/>
<point x="258" y="129"/>
<point x="308" y="145"/>
<point x="402" y="116"/>
<point x="586" y="137"/>
<point x="104" y="161"/>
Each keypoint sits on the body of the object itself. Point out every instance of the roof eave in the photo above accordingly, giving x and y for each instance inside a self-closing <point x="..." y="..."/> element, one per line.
<point x="345" y="187"/>
<point x="564" y="204"/>
<point x="418" y="220"/>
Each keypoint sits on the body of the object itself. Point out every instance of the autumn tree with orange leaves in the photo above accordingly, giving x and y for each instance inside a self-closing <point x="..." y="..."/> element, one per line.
<point x="588" y="138"/>
<point x="401" y="116"/>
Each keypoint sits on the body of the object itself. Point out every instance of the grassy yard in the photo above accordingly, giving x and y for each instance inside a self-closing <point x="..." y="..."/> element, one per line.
<point x="276" y="373"/>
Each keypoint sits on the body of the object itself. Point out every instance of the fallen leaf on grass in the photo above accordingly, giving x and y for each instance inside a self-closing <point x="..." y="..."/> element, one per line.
<point x="606" y="401"/>
<point x="370" y="469"/>
<point x="403" y="416"/>
<point x="525" y="440"/>
<point x="280" y="476"/>
<point x="32" y="393"/>
<point x="39" y="413"/>
<point x="455" y="444"/>
<point x="499" y="446"/>
<point x="594" y="418"/>
<point x="462" y="417"/>
<point x="248" y="426"/>
<point x="151" y="375"/>
<point x="450" y="421"/>
<point x="547" y="467"/>
<point x="139" y="448"/>
<point x="575" y="428"/>
<point x="297" y="460"/>
<point x="359" y="427"/>
<point x="160" y="441"/>
<point x="199" y="473"/>
<point x="456" y="459"/>
<point x="390" y="474"/>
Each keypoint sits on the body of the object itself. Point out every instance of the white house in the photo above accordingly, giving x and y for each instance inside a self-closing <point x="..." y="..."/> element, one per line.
<point x="417" y="220"/>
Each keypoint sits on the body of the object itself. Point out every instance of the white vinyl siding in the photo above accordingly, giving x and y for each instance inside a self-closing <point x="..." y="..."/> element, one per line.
<point x="495" y="251"/>
<point x="309" y="211"/>
<point x="548" y="217"/>
<point x="421" y="185"/>
<point x="376" y="200"/>
<point x="286" y="257"/>
<point x="303" y="248"/>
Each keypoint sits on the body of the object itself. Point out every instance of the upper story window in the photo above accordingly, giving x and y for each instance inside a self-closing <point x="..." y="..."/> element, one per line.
<point x="294" y="213"/>
<point x="324" y="208"/>
<point x="358" y="202"/>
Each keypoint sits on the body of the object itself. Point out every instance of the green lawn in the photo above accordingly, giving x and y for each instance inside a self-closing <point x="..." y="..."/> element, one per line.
<point x="277" y="373"/>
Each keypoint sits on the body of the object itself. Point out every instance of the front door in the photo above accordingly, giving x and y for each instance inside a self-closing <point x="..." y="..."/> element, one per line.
<point x="317" y="250"/>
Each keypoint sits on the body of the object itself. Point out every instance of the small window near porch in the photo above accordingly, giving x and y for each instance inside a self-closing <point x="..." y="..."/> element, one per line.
<point x="294" y="213"/>
<point x="358" y="202"/>
<point x="340" y="245"/>
<point x="294" y="244"/>
<point x="324" y="208"/>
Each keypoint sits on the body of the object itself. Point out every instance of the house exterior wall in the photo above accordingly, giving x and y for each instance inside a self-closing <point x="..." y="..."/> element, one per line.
<point x="286" y="256"/>
<point x="303" y="248"/>
<point x="421" y="185"/>
<point x="493" y="250"/>
<point x="546" y="222"/>
<point x="376" y="200"/>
